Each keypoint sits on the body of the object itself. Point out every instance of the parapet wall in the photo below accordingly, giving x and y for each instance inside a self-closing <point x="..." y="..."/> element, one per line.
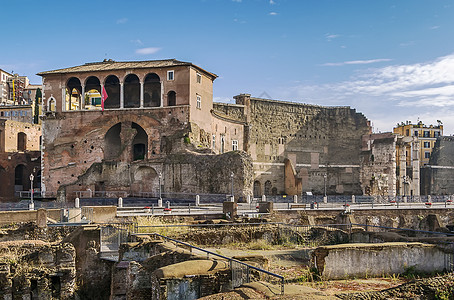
<point x="362" y="260"/>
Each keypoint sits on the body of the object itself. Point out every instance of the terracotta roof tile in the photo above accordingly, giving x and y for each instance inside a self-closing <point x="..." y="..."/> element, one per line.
<point x="109" y="65"/>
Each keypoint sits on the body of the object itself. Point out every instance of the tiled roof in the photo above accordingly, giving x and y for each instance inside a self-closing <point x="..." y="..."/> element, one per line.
<point x="110" y="65"/>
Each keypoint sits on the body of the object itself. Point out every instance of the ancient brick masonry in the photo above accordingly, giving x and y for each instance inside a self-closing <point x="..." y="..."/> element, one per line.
<point x="300" y="143"/>
<point x="36" y="268"/>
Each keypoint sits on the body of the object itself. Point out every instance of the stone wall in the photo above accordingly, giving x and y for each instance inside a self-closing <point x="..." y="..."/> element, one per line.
<point x="22" y="163"/>
<point x="37" y="270"/>
<point x="316" y="140"/>
<point x="365" y="260"/>
<point x="11" y="131"/>
<point x="378" y="164"/>
<point x="437" y="178"/>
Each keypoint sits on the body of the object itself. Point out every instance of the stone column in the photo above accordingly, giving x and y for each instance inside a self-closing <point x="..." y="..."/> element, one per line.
<point x="82" y="100"/>
<point x="122" y="99"/>
<point x="63" y="100"/>
<point x="141" y="94"/>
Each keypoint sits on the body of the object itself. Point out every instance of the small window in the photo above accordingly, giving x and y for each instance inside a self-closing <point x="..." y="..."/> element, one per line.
<point x="199" y="102"/>
<point x="234" y="145"/>
<point x="426" y="154"/>
<point x="416" y="133"/>
<point x="426" y="134"/>
<point x="436" y="133"/>
<point x="199" y="78"/>
<point x="213" y="142"/>
<point x="426" y="144"/>
<point x="170" y="75"/>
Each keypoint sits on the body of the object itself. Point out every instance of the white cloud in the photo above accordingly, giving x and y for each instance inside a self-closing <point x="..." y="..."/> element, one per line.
<point x="145" y="51"/>
<point x="434" y="27"/>
<point x="330" y="37"/>
<point x="273" y="13"/>
<point x="356" y="62"/>
<point x="393" y="93"/>
<point x="239" y="1"/>
<point x="272" y="2"/>
<point x="138" y="42"/>
<point x="122" y="21"/>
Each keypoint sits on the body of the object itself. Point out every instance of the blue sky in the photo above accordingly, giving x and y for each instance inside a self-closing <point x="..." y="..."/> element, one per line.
<point x="391" y="60"/>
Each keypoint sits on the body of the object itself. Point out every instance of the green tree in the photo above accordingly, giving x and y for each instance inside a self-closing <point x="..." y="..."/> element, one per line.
<point x="37" y="103"/>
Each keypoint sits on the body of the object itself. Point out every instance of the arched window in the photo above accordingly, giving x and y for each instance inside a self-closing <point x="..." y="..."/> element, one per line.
<point x="132" y="91"/>
<point x="152" y="91"/>
<point x="171" y="98"/>
<point x="268" y="187"/>
<point x="257" y="189"/>
<point x="92" y="96"/>
<point x="112" y="86"/>
<point x="51" y="104"/>
<point x="73" y="94"/>
<point x="21" y="141"/>
<point x="112" y="142"/>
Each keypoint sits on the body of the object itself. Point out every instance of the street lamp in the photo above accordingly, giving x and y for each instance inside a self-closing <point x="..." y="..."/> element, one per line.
<point x="231" y="177"/>
<point x="324" y="181"/>
<point x="32" y="205"/>
<point x="160" y="178"/>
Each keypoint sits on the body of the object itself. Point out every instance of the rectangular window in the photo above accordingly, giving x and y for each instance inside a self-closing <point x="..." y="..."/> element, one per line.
<point x="426" y="144"/>
<point x="416" y="133"/>
<point x="199" y="102"/>
<point x="213" y="142"/>
<point x="426" y="154"/>
<point x="170" y="75"/>
<point x="234" y="145"/>
<point x="199" y="78"/>
<point x="436" y="133"/>
<point x="426" y="134"/>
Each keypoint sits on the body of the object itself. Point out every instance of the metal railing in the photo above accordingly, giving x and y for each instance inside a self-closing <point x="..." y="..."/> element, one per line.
<point x="241" y="272"/>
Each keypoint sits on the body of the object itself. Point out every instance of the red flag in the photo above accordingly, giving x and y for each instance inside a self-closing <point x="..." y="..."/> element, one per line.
<point x="103" y="97"/>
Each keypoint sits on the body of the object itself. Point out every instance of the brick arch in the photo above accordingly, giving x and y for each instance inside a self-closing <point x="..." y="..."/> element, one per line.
<point x="149" y="125"/>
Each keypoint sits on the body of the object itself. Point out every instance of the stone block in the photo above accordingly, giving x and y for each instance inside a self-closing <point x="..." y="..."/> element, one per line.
<point x="265" y="207"/>
<point x="229" y="209"/>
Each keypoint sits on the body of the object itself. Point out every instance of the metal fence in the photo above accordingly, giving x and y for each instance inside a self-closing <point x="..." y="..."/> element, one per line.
<point x="24" y="205"/>
<point x="110" y="239"/>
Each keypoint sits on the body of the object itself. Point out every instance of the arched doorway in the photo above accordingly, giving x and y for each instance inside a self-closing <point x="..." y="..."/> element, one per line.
<point x="257" y="189"/>
<point x="112" y="86"/>
<point x="112" y="142"/>
<point x="140" y="143"/>
<point x="19" y="178"/>
<point x="152" y="91"/>
<point x="171" y="98"/>
<point x="132" y="91"/>
<point x="145" y="180"/>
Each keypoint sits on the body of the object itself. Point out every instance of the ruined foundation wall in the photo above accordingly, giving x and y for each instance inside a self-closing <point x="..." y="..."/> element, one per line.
<point x="362" y="260"/>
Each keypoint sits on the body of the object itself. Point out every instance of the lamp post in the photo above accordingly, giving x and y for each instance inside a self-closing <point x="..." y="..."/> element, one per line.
<point x="160" y="178"/>
<point x="32" y="204"/>
<point x="324" y="182"/>
<point x="231" y="177"/>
